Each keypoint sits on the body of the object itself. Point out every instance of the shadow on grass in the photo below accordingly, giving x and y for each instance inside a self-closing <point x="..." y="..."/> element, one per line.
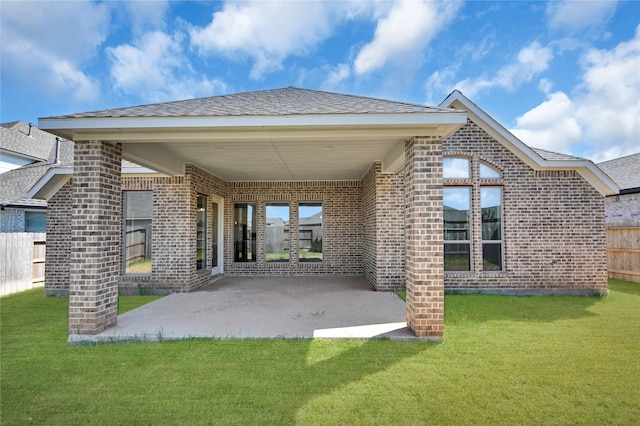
<point x="481" y="308"/>
<point x="45" y="381"/>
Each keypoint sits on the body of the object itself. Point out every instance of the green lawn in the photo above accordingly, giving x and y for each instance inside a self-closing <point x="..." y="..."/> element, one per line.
<point x="504" y="360"/>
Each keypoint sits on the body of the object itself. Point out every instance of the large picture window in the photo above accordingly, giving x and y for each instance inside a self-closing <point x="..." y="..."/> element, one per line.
<point x="138" y="213"/>
<point x="457" y="229"/>
<point x="201" y="233"/>
<point x="491" y="204"/>
<point x="277" y="232"/>
<point x="310" y="232"/>
<point x="244" y="232"/>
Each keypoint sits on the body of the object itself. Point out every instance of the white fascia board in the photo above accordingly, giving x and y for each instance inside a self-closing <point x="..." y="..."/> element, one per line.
<point x="340" y="120"/>
<point x="587" y="169"/>
<point x="47" y="186"/>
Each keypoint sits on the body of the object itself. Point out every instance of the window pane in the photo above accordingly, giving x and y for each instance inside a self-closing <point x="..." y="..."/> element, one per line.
<point x="492" y="256"/>
<point x="488" y="172"/>
<point x="201" y="233"/>
<point x="457" y="204"/>
<point x="491" y="204"/>
<point x="456" y="168"/>
<point x="138" y="211"/>
<point x="457" y="257"/>
<point x="244" y="232"/>
<point x="35" y="222"/>
<point x="277" y="232"/>
<point x="310" y="232"/>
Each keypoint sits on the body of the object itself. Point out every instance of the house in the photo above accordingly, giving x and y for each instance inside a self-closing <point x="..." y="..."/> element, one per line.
<point x="622" y="217"/>
<point x="26" y="154"/>
<point x="410" y="196"/>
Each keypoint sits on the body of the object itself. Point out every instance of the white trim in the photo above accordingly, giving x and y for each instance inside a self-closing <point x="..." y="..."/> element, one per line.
<point x="47" y="186"/>
<point x="220" y="268"/>
<point x="587" y="169"/>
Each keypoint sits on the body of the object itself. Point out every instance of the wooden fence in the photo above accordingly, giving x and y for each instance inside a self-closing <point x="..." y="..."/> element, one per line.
<point x="623" y="253"/>
<point x="21" y="261"/>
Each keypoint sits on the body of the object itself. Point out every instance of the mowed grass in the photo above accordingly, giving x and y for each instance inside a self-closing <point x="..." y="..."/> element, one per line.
<point x="504" y="360"/>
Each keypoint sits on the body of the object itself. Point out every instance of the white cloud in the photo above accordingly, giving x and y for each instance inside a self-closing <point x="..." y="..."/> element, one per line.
<point x="403" y="33"/>
<point x="551" y="125"/>
<point x="531" y="61"/>
<point x="572" y="16"/>
<point x="336" y="76"/>
<point x="45" y="44"/>
<point x="606" y="108"/>
<point x="145" y="15"/>
<point x="155" y="69"/>
<point x="268" y="32"/>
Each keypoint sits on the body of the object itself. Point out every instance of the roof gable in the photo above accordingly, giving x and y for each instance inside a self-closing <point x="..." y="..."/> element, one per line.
<point x="537" y="159"/>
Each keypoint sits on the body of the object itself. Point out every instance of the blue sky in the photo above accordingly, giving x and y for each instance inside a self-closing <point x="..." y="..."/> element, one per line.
<point x="563" y="75"/>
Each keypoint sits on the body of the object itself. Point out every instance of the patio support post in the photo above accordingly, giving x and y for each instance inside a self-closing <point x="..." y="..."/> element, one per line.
<point x="96" y="237"/>
<point x="424" y="277"/>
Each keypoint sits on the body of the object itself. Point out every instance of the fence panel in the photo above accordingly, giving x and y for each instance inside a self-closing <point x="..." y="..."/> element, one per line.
<point x="623" y="253"/>
<point x="21" y="261"/>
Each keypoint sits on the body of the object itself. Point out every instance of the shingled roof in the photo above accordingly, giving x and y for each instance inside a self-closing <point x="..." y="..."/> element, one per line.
<point x="275" y="102"/>
<point x="625" y="171"/>
<point x="16" y="138"/>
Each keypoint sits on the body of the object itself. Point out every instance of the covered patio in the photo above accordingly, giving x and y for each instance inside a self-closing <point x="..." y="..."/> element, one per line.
<point x="266" y="307"/>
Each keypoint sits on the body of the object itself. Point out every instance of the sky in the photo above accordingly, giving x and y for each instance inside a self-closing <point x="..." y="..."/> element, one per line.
<point x="562" y="75"/>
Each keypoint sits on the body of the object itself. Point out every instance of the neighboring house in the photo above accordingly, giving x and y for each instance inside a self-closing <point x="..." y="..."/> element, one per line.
<point x="622" y="217"/>
<point x="410" y="196"/>
<point x="29" y="152"/>
<point x="22" y="144"/>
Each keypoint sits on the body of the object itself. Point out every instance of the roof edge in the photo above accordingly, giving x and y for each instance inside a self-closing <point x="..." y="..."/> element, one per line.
<point x="586" y="168"/>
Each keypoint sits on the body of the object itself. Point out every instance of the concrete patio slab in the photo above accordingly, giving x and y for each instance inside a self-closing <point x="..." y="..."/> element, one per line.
<point x="266" y="307"/>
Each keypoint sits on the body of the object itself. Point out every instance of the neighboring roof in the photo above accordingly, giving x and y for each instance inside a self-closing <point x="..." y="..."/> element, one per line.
<point x="15" y="184"/>
<point x="18" y="139"/>
<point x="625" y="171"/>
<point x="275" y="102"/>
<point x="538" y="159"/>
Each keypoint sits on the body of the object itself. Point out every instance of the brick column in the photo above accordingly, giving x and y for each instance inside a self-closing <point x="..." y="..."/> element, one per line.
<point x="96" y="237"/>
<point x="424" y="237"/>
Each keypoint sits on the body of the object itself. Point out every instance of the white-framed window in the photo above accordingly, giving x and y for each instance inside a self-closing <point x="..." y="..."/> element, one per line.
<point x="244" y="232"/>
<point x="277" y="219"/>
<point x="457" y="228"/>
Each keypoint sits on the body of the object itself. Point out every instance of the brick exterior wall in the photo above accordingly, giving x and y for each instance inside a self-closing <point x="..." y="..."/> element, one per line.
<point x="623" y="210"/>
<point x="96" y="248"/>
<point x="56" y="270"/>
<point x="342" y="226"/>
<point x="424" y="237"/>
<point x="554" y="231"/>
<point x="12" y="220"/>
<point x="383" y="215"/>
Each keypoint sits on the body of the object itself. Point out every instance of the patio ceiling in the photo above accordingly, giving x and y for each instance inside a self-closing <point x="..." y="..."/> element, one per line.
<point x="265" y="148"/>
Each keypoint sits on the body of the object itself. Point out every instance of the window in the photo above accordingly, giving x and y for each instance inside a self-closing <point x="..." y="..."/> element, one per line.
<point x="456" y="168"/>
<point x="491" y="205"/>
<point x="459" y="216"/>
<point x="244" y="232"/>
<point x="488" y="172"/>
<point x="138" y="213"/>
<point x="310" y="232"/>
<point x="457" y="229"/>
<point x="35" y="221"/>
<point x="201" y="232"/>
<point x="277" y="232"/>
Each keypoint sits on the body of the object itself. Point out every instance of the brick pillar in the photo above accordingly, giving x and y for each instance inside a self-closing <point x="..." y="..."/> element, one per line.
<point x="424" y="237"/>
<point x="96" y="237"/>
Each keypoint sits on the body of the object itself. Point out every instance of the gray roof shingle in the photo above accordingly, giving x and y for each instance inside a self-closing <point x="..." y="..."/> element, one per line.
<point x="275" y="102"/>
<point x="554" y="156"/>
<point x="625" y="171"/>
<point x="14" y="138"/>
